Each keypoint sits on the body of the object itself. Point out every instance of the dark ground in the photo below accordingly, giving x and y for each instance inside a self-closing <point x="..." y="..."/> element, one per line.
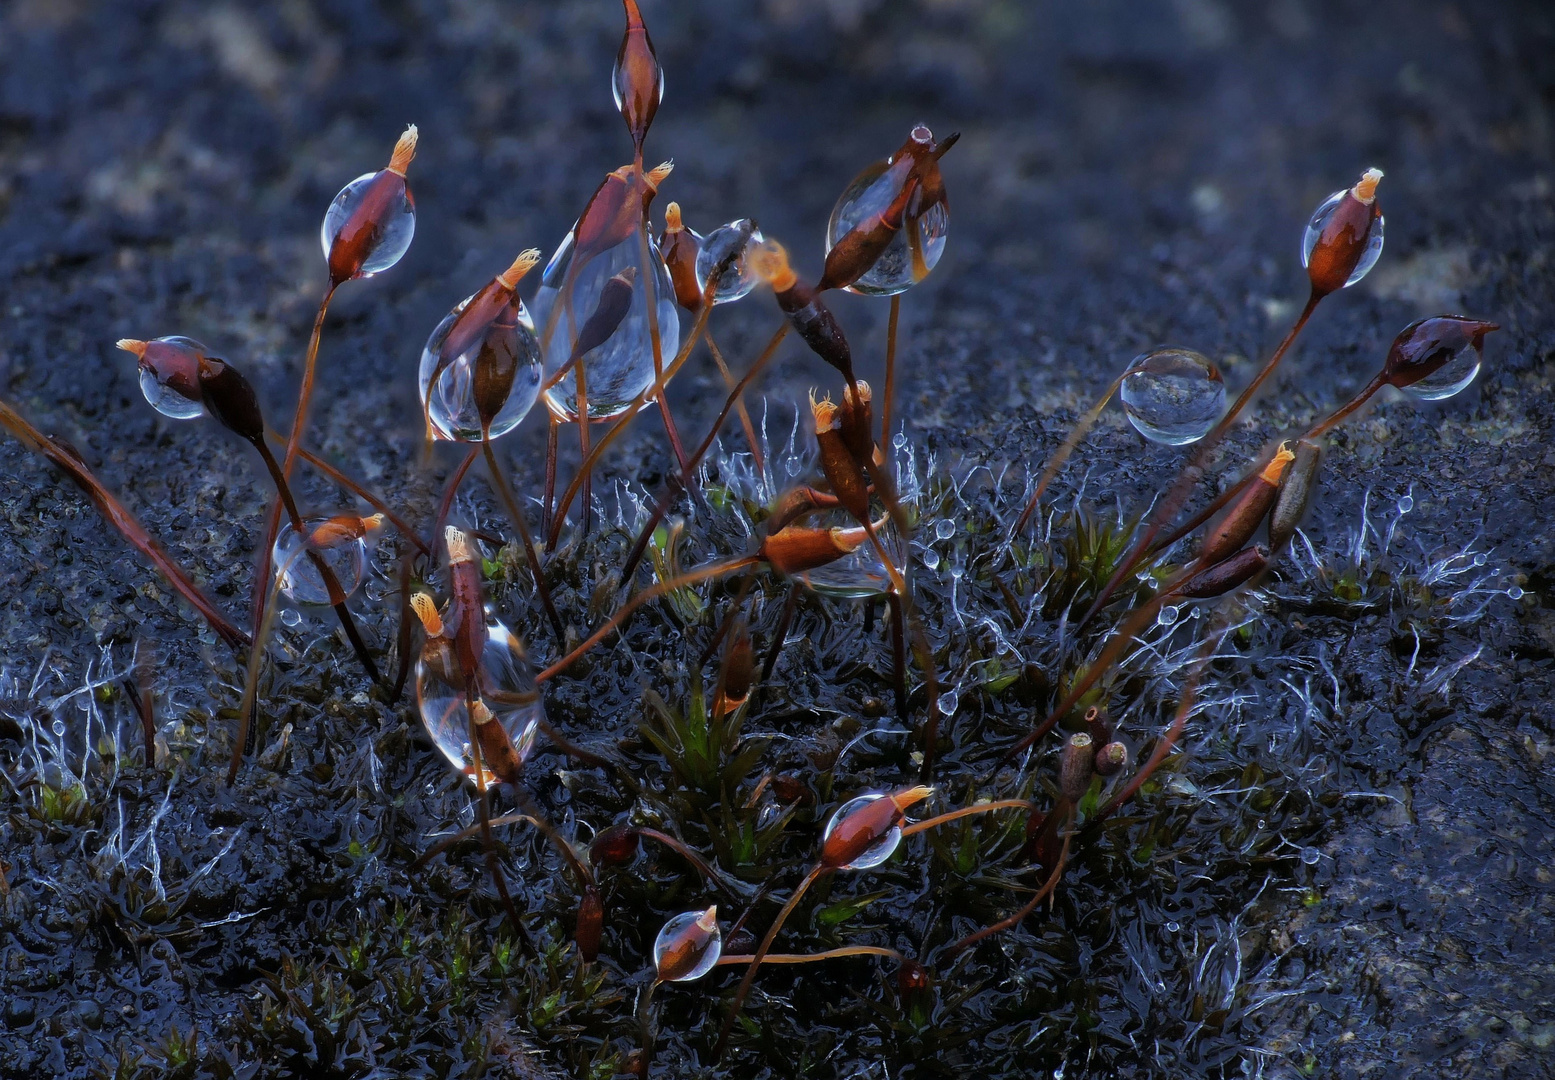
<point x="1128" y="174"/>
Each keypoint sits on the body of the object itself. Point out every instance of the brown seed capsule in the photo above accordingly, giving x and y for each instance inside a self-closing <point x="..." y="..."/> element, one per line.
<point x="231" y="399"/>
<point x="1424" y="346"/>
<point x="912" y="978"/>
<point x="1295" y="493"/>
<point x="616" y="846"/>
<point x="1074" y="766"/>
<point x="843" y="473"/>
<point x="687" y="946"/>
<point x="859" y="829"/>
<point x="795" y="503"/>
<point x="1111" y="758"/>
<point x="1237" y="525"/>
<point x="615" y="210"/>
<point x="790" y="790"/>
<point x="1098" y="725"/>
<point x="591" y="924"/>
<point x="497" y="749"/>
<point x="808" y="313"/>
<point x="615" y="300"/>
<point x="795" y="549"/>
<point x="856" y="421"/>
<point x="1343" y="237"/>
<point x="638" y="80"/>
<point x="1227" y="574"/>
<point x="344" y="529"/>
<point x="679" y="248"/>
<point x="467" y="607"/>
<point x="738" y="670"/>
<point x="169" y="374"/>
<point x="369" y="225"/>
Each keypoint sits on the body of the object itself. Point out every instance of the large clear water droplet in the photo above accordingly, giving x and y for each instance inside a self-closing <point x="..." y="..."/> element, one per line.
<point x="451" y="405"/>
<point x="684" y="947"/>
<point x="1451" y="378"/>
<point x="301" y="582"/>
<point x="396" y="225"/>
<point x="1174" y="396"/>
<point x="170" y="376"/>
<point x="739" y="279"/>
<point x="897" y="269"/>
<point x="622" y="367"/>
<point x="944" y="529"/>
<point x="1314" y="231"/>
<point x="507" y="685"/>
<point x="876" y="853"/>
<point x="859" y="575"/>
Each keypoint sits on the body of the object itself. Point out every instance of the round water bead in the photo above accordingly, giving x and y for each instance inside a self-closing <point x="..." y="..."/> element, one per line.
<point x="861" y="575"/>
<point x="394" y="228"/>
<point x="622" y="367"/>
<point x="451" y="404"/>
<point x="170" y="376"/>
<point x="507" y="687"/>
<point x="877" y="852"/>
<point x="686" y="949"/>
<point x="301" y="582"/>
<point x="1173" y="396"/>
<point x="912" y="253"/>
<point x="1451" y="378"/>
<point x="944" y="529"/>
<point x="739" y="279"/>
<point x="1314" y="231"/>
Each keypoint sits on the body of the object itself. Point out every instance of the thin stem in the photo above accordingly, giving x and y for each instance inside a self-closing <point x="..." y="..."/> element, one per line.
<point x="553" y="429"/>
<point x="584" y="875"/>
<point x="1146" y="770"/>
<point x="761" y="952"/>
<point x="1349" y="407"/>
<point x="739" y="405"/>
<point x="1072" y="440"/>
<point x="1030" y="906"/>
<point x="516" y="514"/>
<point x="691" y="857"/>
<point x="806" y="958"/>
<point x="246" y="704"/>
<point x="966" y="811"/>
<point x="650" y="593"/>
<point x="890" y="368"/>
<point x="464" y="834"/>
<point x="645" y="271"/>
<point x="487" y="842"/>
<point x="359" y="490"/>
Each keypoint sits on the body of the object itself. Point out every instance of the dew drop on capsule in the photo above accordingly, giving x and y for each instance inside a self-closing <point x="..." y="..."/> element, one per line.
<point x="507" y="688"/>
<point x="169" y="370"/>
<point x="299" y="578"/>
<point x="1406" y="503"/>
<point x="1314" y="232"/>
<point x="740" y="278"/>
<point x="1173" y="396"/>
<point x="395" y="225"/>
<point x="869" y="196"/>
<point x="1451" y="378"/>
<point x="1167" y="616"/>
<point x="949" y="702"/>
<point x="930" y="559"/>
<point x="451" y="405"/>
<point x="876" y="853"/>
<point x="291" y="617"/>
<point x="686" y="949"/>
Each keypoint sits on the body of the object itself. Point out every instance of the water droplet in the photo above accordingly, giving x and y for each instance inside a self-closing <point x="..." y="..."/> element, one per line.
<point x="1495" y="571"/>
<point x="491" y="338"/>
<point x="508" y="689"/>
<point x="877" y="852"/>
<point x="949" y="702"/>
<point x="395" y="226"/>
<point x="1311" y="856"/>
<point x="899" y="440"/>
<point x="861" y="575"/>
<point x="944" y="529"/>
<point x="375" y="589"/>
<point x="1262" y="824"/>
<point x="1303" y="937"/>
<point x="686" y="949"/>
<point x="1167" y="615"/>
<point x="170" y="376"/>
<point x="1314" y="230"/>
<point x="1174" y="397"/>
<point x="1479" y="559"/>
<point x="739" y="279"/>
<point x="59" y="727"/>
<point x="1451" y="378"/>
<point x="1515" y="593"/>
<point x="301" y="582"/>
<point x="930" y="559"/>
<point x="958" y="570"/>
<point x="899" y="266"/>
<point x="621" y="367"/>
<point x="1172" y="928"/>
<point x="291" y="617"/>
<point x="1196" y="613"/>
<point x="1406" y="503"/>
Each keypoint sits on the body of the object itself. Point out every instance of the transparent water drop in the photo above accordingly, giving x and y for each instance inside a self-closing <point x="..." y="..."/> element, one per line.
<point x="395" y="227"/>
<point x="930" y="559"/>
<point x="509" y="339"/>
<point x="1172" y="928"/>
<point x="301" y="582"/>
<point x="1174" y="397"/>
<point x="944" y="529"/>
<point x="949" y="702"/>
<point x="1167" y="616"/>
<point x="375" y="589"/>
<point x="620" y="368"/>
<point x="739" y="279"/>
<point x="881" y="849"/>
<point x="682" y="940"/>
<point x="170" y="376"/>
<point x="1196" y="613"/>
<point x="291" y="617"/>
<point x="899" y="440"/>
<point x="1303" y="938"/>
<point x="1406" y="503"/>
<point x="507" y="686"/>
<point x="59" y="727"/>
<point x="1451" y="378"/>
<point x="1515" y="592"/>
<point x="1262" y="824"/>
<point x="1314" y="231"/>
<point x="860" y="575"/>
<point x="911" y="254"/>
<point x="1495" y="571"/>
<point x="958" y="570"/>
<point x="1311" y="856"/>
<point x="1479" y="559"/>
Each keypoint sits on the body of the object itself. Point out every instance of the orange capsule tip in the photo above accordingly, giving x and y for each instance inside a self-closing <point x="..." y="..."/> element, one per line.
<point x="911" y="796"/>
<point x="526" y="261"/>
<point x="824" y="412"/>
<point x="459" y="550"/>
<point x="672" y="221"/>
<point x="404" y="151"/>
<point x="770" y="261"/>
<point x="1365" y="189"/>
<point x="708" y="920"/>
<point x="1276" y="468"/>
<point x="659" y="173"/>
<point x="426" y="610"/>
<point x="132" y="345"/>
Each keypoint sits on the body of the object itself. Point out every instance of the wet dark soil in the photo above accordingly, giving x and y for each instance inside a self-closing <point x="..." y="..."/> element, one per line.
<point x="1348" y="873"/>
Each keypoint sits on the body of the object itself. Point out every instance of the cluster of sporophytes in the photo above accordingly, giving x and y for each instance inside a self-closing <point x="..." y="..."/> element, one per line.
<point x="1030" y="778"/>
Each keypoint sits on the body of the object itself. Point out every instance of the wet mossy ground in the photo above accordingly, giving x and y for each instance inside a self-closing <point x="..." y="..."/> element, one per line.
<point x="1346" y="873"/>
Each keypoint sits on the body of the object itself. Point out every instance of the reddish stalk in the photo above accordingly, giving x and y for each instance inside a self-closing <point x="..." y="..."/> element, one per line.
<point x="890" y="369"/>
<point x="806" y="958"/>
<point x="516" y="514"/>
<point x="966" y="811"/>
<point x="739" y="404"/>
<point x="1020" y="916"/>
<point x="1072" y="440"/>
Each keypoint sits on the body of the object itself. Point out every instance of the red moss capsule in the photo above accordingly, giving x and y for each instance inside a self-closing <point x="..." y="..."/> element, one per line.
<point x="808" y="313"/>
<point x="615" y="210"/>
<point x="1437" y="357"/>
<point x="738" y="670"/>
<point x="169" y="374"/>
<point x="1227" y="574"/>
<point x="843" y="472"/>
<point x="794" y="504"/>
<point x="1074" y="766"/>
<point x="591" y="924"/>
<point x="369" y="226"/>
<point x="1098" y="725"/>
<point x="679" y="247"/>
<point x="638" y="80"/>
<point x="856" y="421"/>
<point x="231" y="399"/>
<point x="1344" y="237"/>
<point x="796" y="549"/>
<point x="865" y="831"/>
<point x="1237" y="525"/>
<point x="616" y="846"/>
<point x="688" y="946"/>
<point x="912" y="979"/>
<point x="790" y="790"/>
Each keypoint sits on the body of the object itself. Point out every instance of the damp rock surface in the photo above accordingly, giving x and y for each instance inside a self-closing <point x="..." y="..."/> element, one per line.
<point x="1348" y="875"/>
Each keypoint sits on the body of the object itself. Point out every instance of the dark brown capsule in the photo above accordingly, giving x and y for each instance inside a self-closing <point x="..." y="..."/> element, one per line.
<point x="638" y="80"/>
<point x="1295" y="494"/>
<point x="684" y="944"/>
<point x="591" y="924"/>
<point x="615" y="210"/>
<point x="738" y="669"/>
<point x="1098" y="725"/>
<point x="231" y="399"/>
<point x="497" y="749"/>
<point x="1074" y="766"/>
<point x="489" y="321"/>
<point x="615" y="300"/>
<point x="856" y="421"/>
<point x="172" y="364"/>
<point x="808" y="313"/>
<point x="1226" y="575"/>
<point x="1237" y="525"/>
<point x="912" y="979"/>
<point x="1111" y="758"/>
<point x="616" y="846"/>
<point x="679" y="248"/>
<point x="796" y="549"/>
<point x="1424" y="346"/>
<point x="842" y="471"/>
<point x="366" y="220"/>
<point x="795" y="503"/>
<point x="791" y="789"/>
<point x="1344" y="236"/>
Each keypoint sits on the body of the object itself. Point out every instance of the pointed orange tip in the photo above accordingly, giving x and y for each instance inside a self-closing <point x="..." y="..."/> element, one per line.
<point x="911" y="796"/>
<point x="522" y="265"/>
<point x="865" y="394"/>
<point x="373" y="522"/>
<point x="708" y="920"/>
<point x="426" y="610"/>
<point x="672" y="222"/>
<point x="1365" y="189"/>
<point x="634" y="15"/>
<point x="825" y="413"/>
<point x="657" y="174"/>
<point x="458" y="545"/>
<point x="132" y="345"/>
<point x="1275" y="469"/>
<point x="404" y="151"/>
